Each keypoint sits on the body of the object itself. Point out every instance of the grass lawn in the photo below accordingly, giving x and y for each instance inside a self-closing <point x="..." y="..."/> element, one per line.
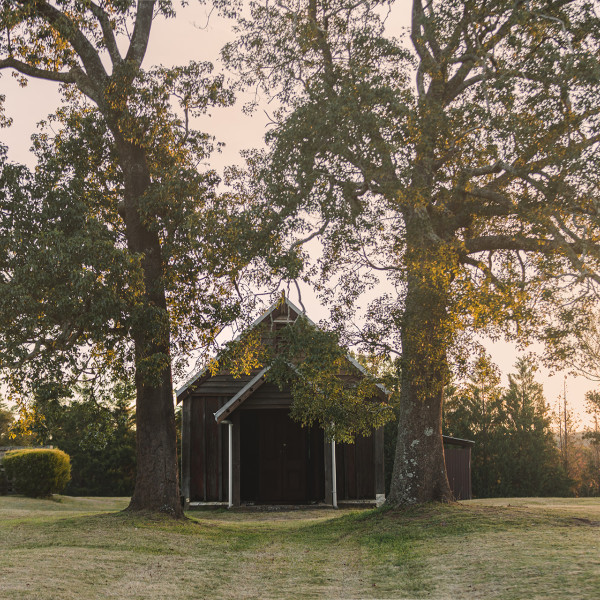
<point x="70" y="548"/>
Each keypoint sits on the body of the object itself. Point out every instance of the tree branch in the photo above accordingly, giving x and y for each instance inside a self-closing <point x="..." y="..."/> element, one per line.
<point x="67" y="28"/>
<point x="416" y="36"/>
<point x="491" y="243"/>
<point x="321" y="40"/>
<point x="107" y="33"/>
<point x="485" y="269"/>
<point x="141" y="32"/>
<point x="313" y="235"/>
<point x="26" y="69"/>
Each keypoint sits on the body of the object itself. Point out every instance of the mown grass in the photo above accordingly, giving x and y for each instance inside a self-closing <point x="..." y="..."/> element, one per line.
<point x="81" y="548"/>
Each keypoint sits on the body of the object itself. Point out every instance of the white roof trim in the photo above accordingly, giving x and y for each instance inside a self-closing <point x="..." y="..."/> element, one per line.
<point x="365" y="372"/>
<point x="245" y="389"/>
<point x="190" y="381"/>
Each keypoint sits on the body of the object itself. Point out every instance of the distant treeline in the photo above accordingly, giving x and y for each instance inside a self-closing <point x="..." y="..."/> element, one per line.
<point x="521" y="448"/>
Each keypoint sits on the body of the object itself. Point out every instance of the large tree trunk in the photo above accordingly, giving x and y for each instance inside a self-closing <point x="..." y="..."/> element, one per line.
<point x="419" y="468"/>
<point x="157" y="482"/>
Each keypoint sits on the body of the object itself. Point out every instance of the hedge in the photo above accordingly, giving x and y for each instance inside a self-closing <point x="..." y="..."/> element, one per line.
<point x="37" y="473"/>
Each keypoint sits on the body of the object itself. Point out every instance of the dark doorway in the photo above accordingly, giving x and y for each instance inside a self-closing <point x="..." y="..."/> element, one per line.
<point x="281" y="462"/>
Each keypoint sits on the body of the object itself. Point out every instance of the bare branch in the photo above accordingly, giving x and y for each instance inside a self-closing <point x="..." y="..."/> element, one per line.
<point x="485" y="269"/>
<point x="313" y="235"/>
<point x="299" y="296"/>
<point x="26" y="69"/>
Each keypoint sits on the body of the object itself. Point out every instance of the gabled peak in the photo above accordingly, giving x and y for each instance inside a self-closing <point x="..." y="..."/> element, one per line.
<point x="282" y="311"/>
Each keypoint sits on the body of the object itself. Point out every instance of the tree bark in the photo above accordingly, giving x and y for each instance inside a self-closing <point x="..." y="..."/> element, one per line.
<point x="419" y="473"/>
<point x="157" y="481"/>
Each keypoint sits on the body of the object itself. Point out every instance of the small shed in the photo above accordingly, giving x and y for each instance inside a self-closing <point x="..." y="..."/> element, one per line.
<point x="240" y="446"/>
<point x="457" y="453"/>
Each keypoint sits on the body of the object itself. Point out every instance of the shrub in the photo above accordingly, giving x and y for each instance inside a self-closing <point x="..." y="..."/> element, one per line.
<point x="37" y="473"/>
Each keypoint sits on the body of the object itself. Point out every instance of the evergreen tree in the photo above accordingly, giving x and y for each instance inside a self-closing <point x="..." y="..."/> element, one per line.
<point x="6" y="420"/>
<point x="515" y="453"/>
<point x="590" y="480"/>
<point x="95" y="427"/>
<point x="530" y="464"/>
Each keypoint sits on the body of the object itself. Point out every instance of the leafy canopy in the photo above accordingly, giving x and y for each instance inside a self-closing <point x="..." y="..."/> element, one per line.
<point x="464" y="156"/>
<point x="71" y="286"/>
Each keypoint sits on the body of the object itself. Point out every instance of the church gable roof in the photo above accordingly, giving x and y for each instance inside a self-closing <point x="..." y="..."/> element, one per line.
<point x="238" y="389"/>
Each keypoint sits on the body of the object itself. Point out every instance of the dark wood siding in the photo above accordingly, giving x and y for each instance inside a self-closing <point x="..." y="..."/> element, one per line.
<point x="268" y="396"/>
<point x="221" y="386"/>
<point x="197" y="459"/>
<point x="355" y="469"/>
<point x="281" y="462"/>
<point x="458" y="467"/>
<point x="212" y="449"/>
<point x="207" y="460"/>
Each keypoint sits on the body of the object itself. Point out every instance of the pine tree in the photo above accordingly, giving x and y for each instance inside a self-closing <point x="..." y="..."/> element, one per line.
<point x="514" y="453"/>
<point x="530" y="465"/>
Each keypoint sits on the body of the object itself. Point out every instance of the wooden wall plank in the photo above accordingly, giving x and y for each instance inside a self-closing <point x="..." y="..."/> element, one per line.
<point x="365" y="468"/>
<point x="197" y="462"/>
<point x="378" y="449"/>
<point x="235" y="419"/>
<point x="458" y="464"/>
<point x="212" y="450"/>
<point x="349" y="471"/>
<point x="186" y="416"/>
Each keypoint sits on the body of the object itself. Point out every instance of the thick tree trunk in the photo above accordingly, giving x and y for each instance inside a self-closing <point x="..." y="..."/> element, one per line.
<point x="419" y="468"/>
<point x="157" y="482"/>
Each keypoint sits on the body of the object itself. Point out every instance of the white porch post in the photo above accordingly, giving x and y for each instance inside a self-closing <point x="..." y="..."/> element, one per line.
<point x="333" y="476"/>
<point x="230" y="463"/>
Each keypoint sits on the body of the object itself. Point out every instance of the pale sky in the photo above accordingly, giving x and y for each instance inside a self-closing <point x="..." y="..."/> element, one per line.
<point x="193" y="36"/>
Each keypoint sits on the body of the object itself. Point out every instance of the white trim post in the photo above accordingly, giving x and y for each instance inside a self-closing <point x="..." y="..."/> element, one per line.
<point x="229" y="463"/>
<point x="333" y="476"/>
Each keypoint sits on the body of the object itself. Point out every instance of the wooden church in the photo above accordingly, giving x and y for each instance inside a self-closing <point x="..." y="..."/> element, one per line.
<point x="240" y="446"/>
